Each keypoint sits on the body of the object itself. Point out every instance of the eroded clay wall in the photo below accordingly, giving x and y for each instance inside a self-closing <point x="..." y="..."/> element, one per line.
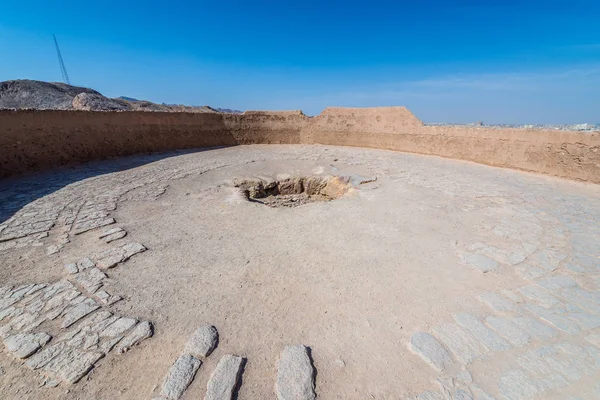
<point x="35" y="140"/>
<point x="270" y="127"/>
<point x="567" y="154"/>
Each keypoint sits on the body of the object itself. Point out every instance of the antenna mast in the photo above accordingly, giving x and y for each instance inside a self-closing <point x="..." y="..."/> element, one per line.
<point x="63" y="70"/>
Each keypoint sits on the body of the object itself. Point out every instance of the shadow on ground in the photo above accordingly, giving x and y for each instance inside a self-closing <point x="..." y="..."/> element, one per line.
<point x="16" y="192"/>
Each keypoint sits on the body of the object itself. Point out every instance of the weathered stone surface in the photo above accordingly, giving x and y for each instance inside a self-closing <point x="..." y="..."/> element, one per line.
<point x="295" y="375"/>
<point x="36" y="288"/>
<point x="141" y="332"/>
<point x="85" y="339"/>
<point x="480" y="394"/>
<point x="112" y="300"/>
<point x="79" y="311"/>
<point x="430" y="395"/>
<point x="46" y="355"/>
<point x="460" y="394"/>
<point x="498" y="303"/>
<point x="180" y="376"/>
<point x="485" y="335"/>
<point x="430" y="350"/>
<point x="85" y="263"/>
<point x="464" y="377"/>
<point x="109" y="232"/>
<point x="91" y="279"/>
<point x="22" y="323"/>
<point x="594" y="339"/>
<point x="578" y="298"/>
<point x="556" y="282"/>
<point x="61" y="298"/>
<point x="84" y="226"/>
<point x="516" y="385"/>
<point x="539" y="295"/>
<point x="10" y="312"/>
<point x="22" y="345"/>
<point x="506" y="328"/>
<point x="584" y="320"/>
<point x="57" y="288"/>
<point x="4" y="303"/>
<point x="511" y="295"/>
<point x="203" y="341"/>
<point x="50" y="382"/>
<point x="107" y="345"/>
<point x="101" y="325"/>
<point x="115" y="236"/>
<point x="102" y="295"/>
<point x="70" y="365"/>
<point x="5" y="290"/>
<point x="119" y="327"/>
<point x="555" y="366"/>
<point x="550" y="258"/>
<point x="460" y="342"/>
<point x="530" y="272"/>
<point x="516" y="257"/>
<point x="556" y="318"/>
<point x="110" y="259"/>
<point x="131" y="249"/>
<point x="53" y="249"/>
<point x="20" y="291"/>
<point x="584" y="294"/>
<point x="71" y="268"/>
<point x="79" y="266"/>
<point x="480" y="262"/>
<point x="224" y="378"/>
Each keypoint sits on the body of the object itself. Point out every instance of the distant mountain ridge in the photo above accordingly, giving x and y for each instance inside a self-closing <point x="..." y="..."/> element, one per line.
<point x="39" y="95"/>
<point x="228" y="111"/>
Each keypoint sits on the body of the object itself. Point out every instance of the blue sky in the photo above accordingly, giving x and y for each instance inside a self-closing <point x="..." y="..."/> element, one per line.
<point x="498" y="61"/>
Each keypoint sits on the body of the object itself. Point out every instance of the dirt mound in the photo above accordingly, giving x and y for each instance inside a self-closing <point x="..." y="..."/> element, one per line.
<point x="97" y="102"/>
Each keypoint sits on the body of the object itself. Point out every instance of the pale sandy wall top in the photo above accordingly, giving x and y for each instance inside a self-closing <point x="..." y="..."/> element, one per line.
<point x="375" y="119"/>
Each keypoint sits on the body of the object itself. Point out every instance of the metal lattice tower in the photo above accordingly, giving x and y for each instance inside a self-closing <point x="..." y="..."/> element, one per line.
<point x="63" y="70"/>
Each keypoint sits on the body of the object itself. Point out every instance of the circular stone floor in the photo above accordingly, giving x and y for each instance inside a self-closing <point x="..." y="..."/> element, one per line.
<point x="429" y="277"/>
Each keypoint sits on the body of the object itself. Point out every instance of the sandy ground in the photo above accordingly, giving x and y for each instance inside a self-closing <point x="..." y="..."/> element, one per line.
<point x="352" y="278"/>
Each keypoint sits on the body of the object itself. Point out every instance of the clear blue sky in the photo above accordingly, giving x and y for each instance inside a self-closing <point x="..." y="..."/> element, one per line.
<point x="500" y="61"/>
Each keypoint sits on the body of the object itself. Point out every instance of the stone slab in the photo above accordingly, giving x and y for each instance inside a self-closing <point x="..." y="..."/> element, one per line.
<point x="480" y="262"/>
<point x="180" y="376"/>
<point x="507" y="328"/>
<point x="295" y="375"/>
<point x="23" y="345"/>
<point x="485" y="335"/>
<point x="499" y="303"/>
<point x="430" y="350"/>
<point x="115" y="236"/>
<point x="79" y="311"/>
<point x="141" y="332"/>
<point x="109" y="232"/>
<point x="461" y="343"/>
<point x="225" y="378"/>
<point x="203" y="341"/>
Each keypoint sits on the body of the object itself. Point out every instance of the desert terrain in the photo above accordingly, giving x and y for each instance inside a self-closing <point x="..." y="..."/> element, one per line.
<point x="421" y="277"/>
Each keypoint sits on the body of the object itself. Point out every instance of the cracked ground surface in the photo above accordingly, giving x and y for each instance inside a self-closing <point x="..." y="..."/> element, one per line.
<point x="439" y="279"/>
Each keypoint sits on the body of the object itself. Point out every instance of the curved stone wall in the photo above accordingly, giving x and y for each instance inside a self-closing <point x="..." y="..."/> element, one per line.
<point x="35" y="140"/>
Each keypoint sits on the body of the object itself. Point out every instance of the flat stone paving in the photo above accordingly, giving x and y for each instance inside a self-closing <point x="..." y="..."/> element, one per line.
<point x="536" y="336"/>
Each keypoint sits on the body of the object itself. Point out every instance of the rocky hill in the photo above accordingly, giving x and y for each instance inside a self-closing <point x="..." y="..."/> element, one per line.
<point x="38" y="95"/>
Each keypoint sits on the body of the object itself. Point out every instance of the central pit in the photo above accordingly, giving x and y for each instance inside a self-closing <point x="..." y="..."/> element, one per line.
<point x="293" y="192"/>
